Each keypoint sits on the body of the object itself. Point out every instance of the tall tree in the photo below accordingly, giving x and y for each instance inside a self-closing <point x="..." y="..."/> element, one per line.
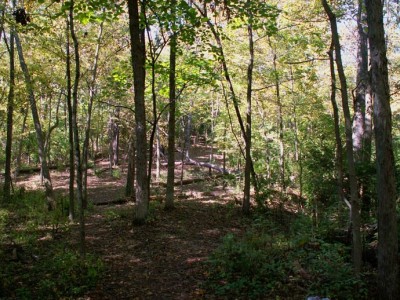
<point x="138" y="59"/>
<point x="219" y="49"/>
<point x="338" y="139"/>
<point x="355" y="206"/>
<point x="77" y="148"/>
<point x="362" y="125"/>
<point x="169" y="199"/>
<point x="51" y="203"/>
<point x="386" y="184"/>
<point x="92" y="94"/>
<point x="10" y="112"/>
<point x="71" y="189"/>
<point x="250" y="66"/>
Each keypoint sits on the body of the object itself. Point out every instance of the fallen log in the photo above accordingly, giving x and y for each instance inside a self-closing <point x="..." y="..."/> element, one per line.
<point x="189" y="181"/>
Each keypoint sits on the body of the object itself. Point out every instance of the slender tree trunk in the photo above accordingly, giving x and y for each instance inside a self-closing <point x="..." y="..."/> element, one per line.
<point x="248" y="162"/>
<point x="130" y="178"/>
<point x="71" y="213"/>
<point x="338" y="139"/>
<point x="92" y="95"/>
<point x="158" y="154"/>
<point x="280" y="124"/>
<point x="52" y="127"/>
<point x="138" y="56"/>
<point x="362" y="130"/>
<point x="51" y="203"/>
<point x="20" y="144"/>
<point x="169" y="199"/>
<point x="78" y="158"/>
<point x="227" y="76"/>
<point x="386" y="183"/>
<point x="355" y="205"/>
<point x="154" y="109"/>
<point x="10" y="112"/>
<point x="113" y="131"/>
<point x="362" y="83"/>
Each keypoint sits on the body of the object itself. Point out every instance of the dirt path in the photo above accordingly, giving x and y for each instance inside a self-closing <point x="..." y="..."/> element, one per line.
<point x="163" y="259"/>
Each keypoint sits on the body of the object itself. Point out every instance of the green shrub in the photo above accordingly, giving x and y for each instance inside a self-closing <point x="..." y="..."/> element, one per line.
<point x="265" y="265"/>
<point x="64" y="275"/>
<point x="68" y="275"/>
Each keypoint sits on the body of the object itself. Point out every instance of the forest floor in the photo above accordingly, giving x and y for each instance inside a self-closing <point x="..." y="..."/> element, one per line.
<point x="166" y="257"/>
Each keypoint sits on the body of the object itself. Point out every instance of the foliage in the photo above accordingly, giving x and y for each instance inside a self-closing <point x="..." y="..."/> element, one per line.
<point x="267" y="264"/>
<point x="30" y="248"/>
<point x="62" y="274"/>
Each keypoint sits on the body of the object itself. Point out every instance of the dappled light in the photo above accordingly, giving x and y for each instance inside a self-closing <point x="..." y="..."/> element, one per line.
<point x="199" y="149"/>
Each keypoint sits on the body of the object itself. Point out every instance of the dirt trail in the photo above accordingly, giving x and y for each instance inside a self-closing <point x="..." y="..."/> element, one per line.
<point x="165" y="258"/>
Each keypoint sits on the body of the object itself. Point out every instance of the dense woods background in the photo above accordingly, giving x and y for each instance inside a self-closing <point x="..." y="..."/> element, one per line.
<point x="274" y="123"/>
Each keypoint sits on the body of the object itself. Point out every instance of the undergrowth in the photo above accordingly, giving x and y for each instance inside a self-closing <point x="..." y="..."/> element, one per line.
<point x="272" y="262"/>
<point x="38" y="262"/>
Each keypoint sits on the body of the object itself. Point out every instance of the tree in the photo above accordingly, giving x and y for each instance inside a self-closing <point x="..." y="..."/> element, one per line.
<point x="362" y="124"/>
<point x="355" y="213"/>
<point x="250" y="66"/>
<point x="138" y="59"/>
<point x="10" y="112"/>
<point x="169" y="198"/>
<point x="70" y="125"/>
<point x="51" y="203"/>
<point x="386" y="184"/>
<point x="77" y="147"/>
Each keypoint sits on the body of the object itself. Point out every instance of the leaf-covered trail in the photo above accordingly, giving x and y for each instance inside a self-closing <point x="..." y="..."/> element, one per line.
<point x="163" y="259"/>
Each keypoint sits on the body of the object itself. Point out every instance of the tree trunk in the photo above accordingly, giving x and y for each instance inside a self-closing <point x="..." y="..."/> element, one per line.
<point x="355" y="206"/>
<point x="280" y="125"/>
<point x="169" y="198"/>
<point x="92" y="95"/>
<point x="248" y="162"/>
<point x="338" y="139"/>
<point x="71" y="213"/>
<point x="51" y="203"/>
<point x="362" y="111"/>
<point x="138" y="56"/>
<point x="158" y="154"/>
<point x="20" y="144"/>
<point x="113" y="130"/>
<point x="10" y="112"/>
<point x="130" y="177"/>
<point x="227" y="76"/>
<point x="386" y="184"/>
<point x="187" y="133"/>
<point x="78" y="158"/>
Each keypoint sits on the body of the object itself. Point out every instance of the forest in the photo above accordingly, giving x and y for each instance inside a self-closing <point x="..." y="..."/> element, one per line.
<point x="199" y="149"/>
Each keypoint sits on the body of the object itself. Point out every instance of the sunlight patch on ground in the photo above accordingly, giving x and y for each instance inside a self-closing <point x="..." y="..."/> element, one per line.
<point x="208" y="201"/>
<point x="192" y="260"/>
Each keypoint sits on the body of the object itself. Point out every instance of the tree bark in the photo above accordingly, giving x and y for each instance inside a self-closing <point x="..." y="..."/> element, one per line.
<point x="355" y="206"/>
<point x="338" y="139"/>
<point x="138" y="56"/>
<point x="77" y="150"/>
<point x="130" y="177"/>
<point x="362" y="129"/>
<point x="20" y="144"/>
<point x="280" y="126"/>
<point x="248" y="162"/>
<point x="71" y="189"/>
<point x="51" y="203"/>
<point x="235" y="101"/>
<point x="169" y="197"/>
<point x="10" y="112"/>
<point x="92" y="95"/>
<point x="386" y="184"/>
<point x="113" y="131"/>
